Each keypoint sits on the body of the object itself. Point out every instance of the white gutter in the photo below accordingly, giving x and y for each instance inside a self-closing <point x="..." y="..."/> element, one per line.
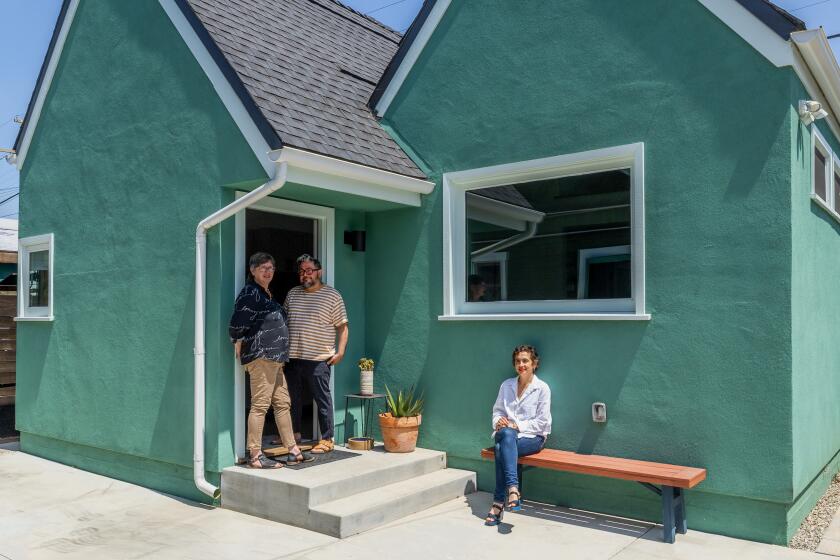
<point x="509" y="242"/>
<point x="816" y="52"/>
<point x="277" y="182"/>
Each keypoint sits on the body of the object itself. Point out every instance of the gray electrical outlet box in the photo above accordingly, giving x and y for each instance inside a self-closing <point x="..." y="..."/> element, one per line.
<point x="599" y="412"/>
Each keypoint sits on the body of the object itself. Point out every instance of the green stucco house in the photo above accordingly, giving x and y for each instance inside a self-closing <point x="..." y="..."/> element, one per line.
<point x="636" y="188"/>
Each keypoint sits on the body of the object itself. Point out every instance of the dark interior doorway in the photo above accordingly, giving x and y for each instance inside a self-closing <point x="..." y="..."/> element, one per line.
<point x="285" y="238"/>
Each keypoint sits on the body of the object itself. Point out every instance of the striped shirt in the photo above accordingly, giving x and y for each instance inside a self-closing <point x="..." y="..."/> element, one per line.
<point x="313" y="318"/>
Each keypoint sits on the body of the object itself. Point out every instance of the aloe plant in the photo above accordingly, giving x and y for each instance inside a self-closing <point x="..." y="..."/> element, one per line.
<point x="404" y="404"/>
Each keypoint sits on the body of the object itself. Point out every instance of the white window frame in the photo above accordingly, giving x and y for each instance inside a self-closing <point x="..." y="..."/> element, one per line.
<point x="818" y="142"/>
<point x="585" y="254"/>
<point x="500" y="258"/>
<point x="26" y="246"/>
<point x="457" y="184"/>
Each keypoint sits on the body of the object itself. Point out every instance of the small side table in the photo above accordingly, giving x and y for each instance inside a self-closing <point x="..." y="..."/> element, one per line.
<point x="367" y="402"/>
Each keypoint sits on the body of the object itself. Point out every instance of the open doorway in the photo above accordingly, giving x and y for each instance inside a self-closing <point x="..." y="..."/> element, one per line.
<point x="285" y="238"/>
<point x="285" y="229"/>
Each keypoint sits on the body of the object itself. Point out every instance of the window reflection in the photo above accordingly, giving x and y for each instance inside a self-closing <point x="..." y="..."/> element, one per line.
<point x="39" y="278"/>
<point x="556" y="239"/>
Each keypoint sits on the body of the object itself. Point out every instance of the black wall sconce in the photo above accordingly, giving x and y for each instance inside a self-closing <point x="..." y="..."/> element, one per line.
<point x="356" y="239"/>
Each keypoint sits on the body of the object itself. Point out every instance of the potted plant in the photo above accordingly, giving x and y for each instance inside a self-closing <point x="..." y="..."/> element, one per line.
<point x="365" y="376"/>
<point x="401" y="423"/>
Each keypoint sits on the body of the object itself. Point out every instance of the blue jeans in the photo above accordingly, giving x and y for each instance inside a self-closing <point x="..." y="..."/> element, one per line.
<point x="509" y="449"/>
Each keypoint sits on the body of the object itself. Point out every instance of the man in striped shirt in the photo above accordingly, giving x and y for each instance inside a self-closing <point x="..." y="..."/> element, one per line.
<point x="316" y="319"/>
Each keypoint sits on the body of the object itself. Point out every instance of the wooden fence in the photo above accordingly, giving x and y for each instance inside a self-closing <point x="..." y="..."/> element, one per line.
<point x="8" y="308"/>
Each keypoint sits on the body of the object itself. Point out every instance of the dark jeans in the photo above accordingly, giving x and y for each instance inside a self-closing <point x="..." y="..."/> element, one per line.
<point x="317" y="376"/>
<point x="509" y="449"/>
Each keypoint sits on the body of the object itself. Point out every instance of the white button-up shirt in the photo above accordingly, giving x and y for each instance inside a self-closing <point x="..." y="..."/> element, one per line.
<point x="531" y="413"/>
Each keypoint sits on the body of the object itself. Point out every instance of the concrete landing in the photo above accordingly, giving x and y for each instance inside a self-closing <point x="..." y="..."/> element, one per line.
<point x="49" y="511"/>
<point x="350" y="496"/>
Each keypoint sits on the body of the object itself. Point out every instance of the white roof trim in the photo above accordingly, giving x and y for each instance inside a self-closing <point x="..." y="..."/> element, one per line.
<point x="220" y="83"/>
<point x="407" y="63"/>
<point x="819" y="58"/>
<point x="320" y="171"/>
<point x="752" y="30"/>
<point x="52" y="64"/>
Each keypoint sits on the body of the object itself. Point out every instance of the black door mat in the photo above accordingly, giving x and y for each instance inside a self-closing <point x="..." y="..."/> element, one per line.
<point x="324" y="458"/>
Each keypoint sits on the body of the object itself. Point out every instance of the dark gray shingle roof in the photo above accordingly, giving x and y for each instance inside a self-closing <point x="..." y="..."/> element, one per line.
<point x="310" y="67"/>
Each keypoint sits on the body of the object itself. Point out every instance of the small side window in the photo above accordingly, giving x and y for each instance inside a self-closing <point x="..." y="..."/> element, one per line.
<point x="820" y="175"/>
<point x="836" y="184"/>
<point x="35" y="278"/>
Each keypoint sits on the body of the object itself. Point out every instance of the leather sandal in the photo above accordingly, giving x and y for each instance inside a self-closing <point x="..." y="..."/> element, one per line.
<point x="494" y="516"/>
<point x="262" y="462"/>
<point x="304" y="457"/>
<point x="324" y="446"/>
<point x="514" y="504"/>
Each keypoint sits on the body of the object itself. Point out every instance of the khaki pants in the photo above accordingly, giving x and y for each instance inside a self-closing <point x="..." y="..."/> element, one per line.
<point x="268" y="388"/>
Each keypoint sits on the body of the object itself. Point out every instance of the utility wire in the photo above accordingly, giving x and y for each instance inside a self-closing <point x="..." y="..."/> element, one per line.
<point x="810" y="5"/>
<point x="385" y="6"/>
<point x="5" y="200"/>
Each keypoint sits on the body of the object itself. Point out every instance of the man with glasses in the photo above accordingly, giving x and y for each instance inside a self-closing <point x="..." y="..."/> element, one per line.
<point x="316" y="319"/>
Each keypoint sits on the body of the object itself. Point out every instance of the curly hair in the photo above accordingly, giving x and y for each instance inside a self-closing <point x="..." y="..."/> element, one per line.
<point x="535" y="357"/>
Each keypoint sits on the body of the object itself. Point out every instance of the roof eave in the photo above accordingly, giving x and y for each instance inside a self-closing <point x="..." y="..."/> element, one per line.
<point x="42" y="85"/>
<point x="268" y="132"/>
<point x="813" y="45"/>
<point x="411" y="46"/>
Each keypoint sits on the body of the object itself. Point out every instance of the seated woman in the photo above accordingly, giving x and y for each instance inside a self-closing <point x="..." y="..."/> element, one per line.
<point x="522" y="421"/>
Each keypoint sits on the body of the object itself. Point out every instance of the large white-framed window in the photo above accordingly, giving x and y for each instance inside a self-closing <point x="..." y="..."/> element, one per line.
<point x="35" y="278"/>
<point x="547" y="216"/>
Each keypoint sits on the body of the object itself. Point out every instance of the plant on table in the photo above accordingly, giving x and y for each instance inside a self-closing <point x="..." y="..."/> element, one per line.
<point x="366" y="376"/>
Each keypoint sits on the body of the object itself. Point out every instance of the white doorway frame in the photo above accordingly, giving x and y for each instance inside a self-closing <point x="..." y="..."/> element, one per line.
<point x="325" y="245"/>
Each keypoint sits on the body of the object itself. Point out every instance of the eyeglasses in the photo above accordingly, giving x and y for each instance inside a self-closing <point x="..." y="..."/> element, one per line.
<point x="307" y="271"/>
<point x="265" y="268"/>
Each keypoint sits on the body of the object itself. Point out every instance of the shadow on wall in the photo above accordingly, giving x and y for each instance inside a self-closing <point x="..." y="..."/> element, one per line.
<point x="172" y="435"/>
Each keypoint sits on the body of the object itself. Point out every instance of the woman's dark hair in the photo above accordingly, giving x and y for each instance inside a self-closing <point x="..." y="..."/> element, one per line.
<point x="258" y="259"/>
<point x="535" y="357"/>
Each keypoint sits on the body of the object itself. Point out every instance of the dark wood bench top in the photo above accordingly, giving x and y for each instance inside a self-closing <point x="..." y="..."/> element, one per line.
<point x="612" y="467"/>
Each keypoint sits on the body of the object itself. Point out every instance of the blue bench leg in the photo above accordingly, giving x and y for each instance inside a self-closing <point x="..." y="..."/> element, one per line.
<point x="679" y="511"/>
<point x="668" y="517"/>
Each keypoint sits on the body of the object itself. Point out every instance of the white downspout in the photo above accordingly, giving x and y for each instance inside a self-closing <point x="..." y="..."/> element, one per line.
<point x="271" y="186"/>
<point x="530" y="231"/>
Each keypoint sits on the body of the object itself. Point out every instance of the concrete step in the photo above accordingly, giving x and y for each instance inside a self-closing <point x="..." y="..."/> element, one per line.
<point x="295" y="496"/>
<point x="323" y="483"/>
<point x="355" y="514"/>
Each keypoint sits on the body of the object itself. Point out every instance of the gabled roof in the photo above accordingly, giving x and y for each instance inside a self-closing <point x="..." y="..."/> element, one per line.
<point x="307" y="69"/>
<point x="773" y="17"/>
<point x="303" y="69"/>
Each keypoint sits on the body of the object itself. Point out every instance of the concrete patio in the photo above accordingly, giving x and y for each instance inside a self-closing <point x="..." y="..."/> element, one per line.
<point x="48" y="510"/>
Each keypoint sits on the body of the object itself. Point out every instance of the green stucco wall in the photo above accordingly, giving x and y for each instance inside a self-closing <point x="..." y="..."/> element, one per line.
<point x="131" y="151"/>
<point x="815" y="312"/>
<point x="707" y="381"/>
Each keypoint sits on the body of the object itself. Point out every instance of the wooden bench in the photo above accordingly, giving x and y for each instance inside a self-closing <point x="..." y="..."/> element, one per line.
<point x="673" y="480"/>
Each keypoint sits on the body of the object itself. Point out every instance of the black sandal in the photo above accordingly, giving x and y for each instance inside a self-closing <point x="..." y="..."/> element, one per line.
<point x="514" y="504"/>
<point x="304" y="457"/>
<point x="494" y="516"/>
<point x="262" y="462"/>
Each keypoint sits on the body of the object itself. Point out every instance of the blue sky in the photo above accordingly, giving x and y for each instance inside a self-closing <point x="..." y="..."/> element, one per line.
<point x="26" y="27"/>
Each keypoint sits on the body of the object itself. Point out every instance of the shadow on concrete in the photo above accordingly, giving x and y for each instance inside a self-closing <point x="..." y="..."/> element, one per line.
<point x="479" y="503"/>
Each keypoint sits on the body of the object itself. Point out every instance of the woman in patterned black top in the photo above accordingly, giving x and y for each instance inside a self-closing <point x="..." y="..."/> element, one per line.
<point x="260" y="335"/>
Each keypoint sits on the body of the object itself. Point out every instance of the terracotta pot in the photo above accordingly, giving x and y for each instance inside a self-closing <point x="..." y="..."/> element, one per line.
<point x="399" y="434"/>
